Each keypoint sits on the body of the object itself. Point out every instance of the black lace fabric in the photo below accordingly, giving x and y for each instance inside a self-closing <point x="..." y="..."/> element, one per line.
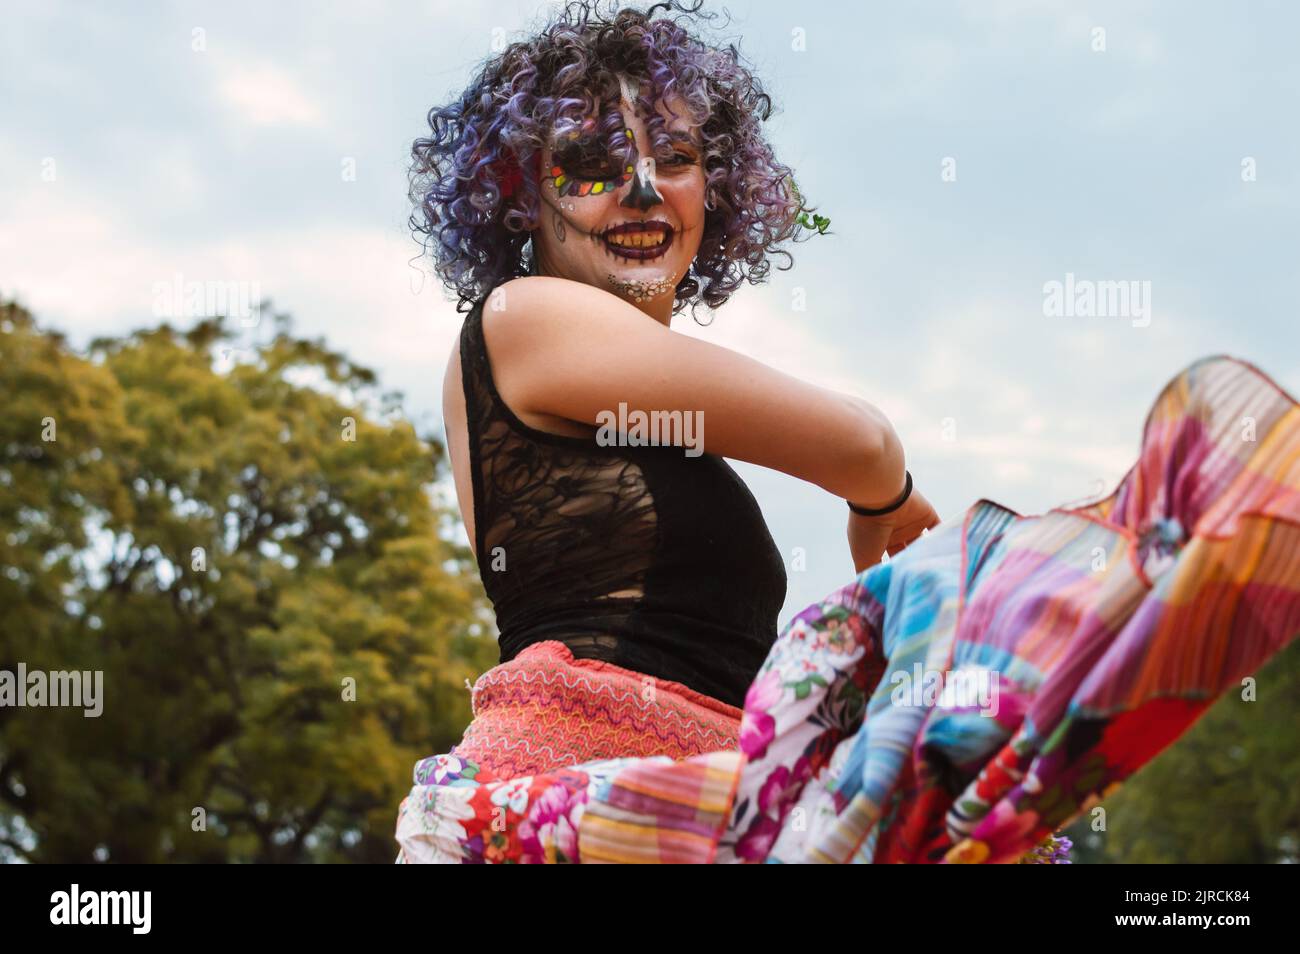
<point x="638" y="556"/>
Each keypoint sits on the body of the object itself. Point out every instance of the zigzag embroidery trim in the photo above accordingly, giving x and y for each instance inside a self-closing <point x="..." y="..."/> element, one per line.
<point x="531" y="750"/>
<point x="688" y="723"/>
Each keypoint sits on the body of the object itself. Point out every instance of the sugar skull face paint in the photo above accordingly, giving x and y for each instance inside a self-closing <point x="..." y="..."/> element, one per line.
<point x="619" y="214"/>
<point x="580" y="157"/>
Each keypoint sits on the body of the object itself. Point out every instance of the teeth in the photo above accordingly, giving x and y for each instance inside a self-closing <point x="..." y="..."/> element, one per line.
<point x="637" y="239"/>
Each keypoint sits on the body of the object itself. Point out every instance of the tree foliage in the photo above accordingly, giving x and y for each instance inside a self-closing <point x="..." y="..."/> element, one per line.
<point x="254" y="559"/>
<point x="1224" y="793"/>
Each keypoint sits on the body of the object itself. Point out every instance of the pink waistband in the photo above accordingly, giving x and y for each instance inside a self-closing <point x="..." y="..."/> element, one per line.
<point x="545" y="709"/>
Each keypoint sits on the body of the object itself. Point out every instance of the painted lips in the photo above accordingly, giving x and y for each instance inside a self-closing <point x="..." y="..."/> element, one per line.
<point x="639" y="240"/>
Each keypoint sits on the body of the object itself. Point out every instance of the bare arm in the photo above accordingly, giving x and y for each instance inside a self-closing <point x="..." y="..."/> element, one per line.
<point x="570" y="350"/>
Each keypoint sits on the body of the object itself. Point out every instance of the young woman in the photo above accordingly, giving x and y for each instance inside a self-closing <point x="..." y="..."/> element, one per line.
<point x="590" y="185"/>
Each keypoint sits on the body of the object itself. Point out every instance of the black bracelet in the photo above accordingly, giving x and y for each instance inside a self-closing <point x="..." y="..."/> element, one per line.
<point x="868" y="512"/>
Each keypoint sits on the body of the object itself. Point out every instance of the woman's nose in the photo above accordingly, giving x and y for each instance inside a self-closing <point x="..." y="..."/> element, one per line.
<point x="643" y="195"/>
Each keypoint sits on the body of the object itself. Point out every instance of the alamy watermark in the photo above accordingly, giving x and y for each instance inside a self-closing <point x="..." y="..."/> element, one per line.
<point x="963" y="689"/>
<point x="208" y="299"/>
<point x="37" y="688"/>
<point x="651" y="429"/>
<point x="1084" y="298"/>
<point x="132" y="908"/>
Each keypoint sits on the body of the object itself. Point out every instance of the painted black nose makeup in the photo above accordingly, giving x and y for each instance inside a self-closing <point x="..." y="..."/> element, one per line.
<point x="643" y="195"/>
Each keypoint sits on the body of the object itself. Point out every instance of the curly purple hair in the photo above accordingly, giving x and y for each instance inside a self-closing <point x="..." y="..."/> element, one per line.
<point x="475" y="180"/>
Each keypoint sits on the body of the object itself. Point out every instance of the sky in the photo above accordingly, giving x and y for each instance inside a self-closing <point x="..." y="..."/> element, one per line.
<point x="968" y="154"/>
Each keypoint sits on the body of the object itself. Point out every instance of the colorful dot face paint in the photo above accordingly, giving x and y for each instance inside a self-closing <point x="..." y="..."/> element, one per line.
<point x="582" y="166"/>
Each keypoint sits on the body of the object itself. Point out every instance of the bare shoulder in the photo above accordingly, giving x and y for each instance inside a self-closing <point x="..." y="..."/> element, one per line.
<point x="526" y="307"/>
<point x="546" y="337"/>
<point x="544" y="290"/>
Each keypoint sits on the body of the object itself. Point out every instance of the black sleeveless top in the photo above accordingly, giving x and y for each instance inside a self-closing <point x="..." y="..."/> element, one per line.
<point x="642" y="557"/>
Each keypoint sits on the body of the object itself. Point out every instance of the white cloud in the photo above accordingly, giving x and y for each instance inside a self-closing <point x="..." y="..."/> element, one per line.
<point x="799" y="343"/>
<point x="267" y="95"/>
<point x="74" y="263"/>
<point x="1130" y="109"/>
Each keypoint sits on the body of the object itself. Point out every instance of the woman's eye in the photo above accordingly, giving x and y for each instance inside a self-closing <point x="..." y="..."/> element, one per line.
<point x="586" y="163"/>
<point x="680" y="159"/>
<point x="594" y="170"/>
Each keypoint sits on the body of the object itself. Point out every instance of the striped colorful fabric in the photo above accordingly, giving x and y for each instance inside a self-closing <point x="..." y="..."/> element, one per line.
<point x="983" y="689"/>
<point x="646" y="815"/>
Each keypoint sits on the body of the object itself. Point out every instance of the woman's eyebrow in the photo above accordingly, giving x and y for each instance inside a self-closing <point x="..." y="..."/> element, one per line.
<point x="581" y="141"/>
<point x="588" y="139"/>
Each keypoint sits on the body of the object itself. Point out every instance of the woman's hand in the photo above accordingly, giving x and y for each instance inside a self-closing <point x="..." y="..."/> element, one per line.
<point x="871" y="537"/>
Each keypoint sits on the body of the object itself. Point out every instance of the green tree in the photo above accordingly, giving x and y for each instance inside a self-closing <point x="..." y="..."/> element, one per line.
<point x="1223" y="793"/>
<point x="255" y="561"/>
